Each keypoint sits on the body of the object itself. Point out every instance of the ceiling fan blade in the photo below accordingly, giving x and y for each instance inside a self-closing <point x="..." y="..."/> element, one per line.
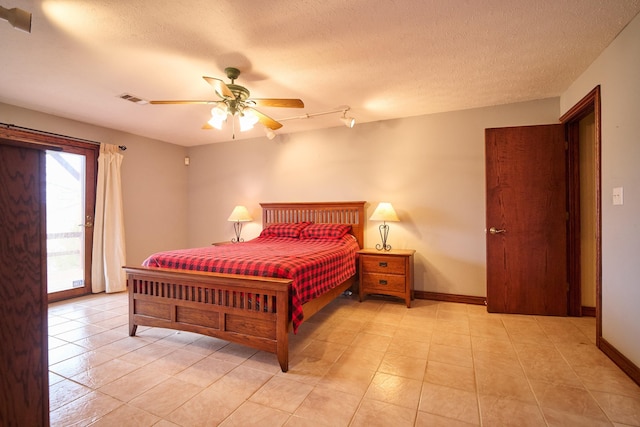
<point x="278" y="102"/>
<point x="207" y="126"/>
<point x="266" y="120"/>
<point x="183" y="102"/>
<point x="221" y="88"/>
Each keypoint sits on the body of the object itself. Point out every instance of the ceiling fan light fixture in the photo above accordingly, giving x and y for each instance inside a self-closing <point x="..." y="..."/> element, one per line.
<point x="218" y="111"/>
<point x="216" y="122"/>
<point x="234" y="101"/>
<point x="245" y="126"/>
<point x="218" y="117"/>
<point x="247" y="120"/>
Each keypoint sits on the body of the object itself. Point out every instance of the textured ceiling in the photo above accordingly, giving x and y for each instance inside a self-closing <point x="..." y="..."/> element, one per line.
<point x="385" y="59"/>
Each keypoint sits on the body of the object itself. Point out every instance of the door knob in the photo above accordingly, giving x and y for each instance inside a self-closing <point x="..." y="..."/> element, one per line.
<point x="494" y="230"/>
<point x="87" y="224"/>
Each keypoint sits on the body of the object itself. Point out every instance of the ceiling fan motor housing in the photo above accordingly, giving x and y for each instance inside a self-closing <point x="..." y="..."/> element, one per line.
<point x="240" y="92"/>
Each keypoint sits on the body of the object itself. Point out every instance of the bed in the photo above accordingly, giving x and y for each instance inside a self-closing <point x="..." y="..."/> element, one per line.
<point x="255" y="311"/>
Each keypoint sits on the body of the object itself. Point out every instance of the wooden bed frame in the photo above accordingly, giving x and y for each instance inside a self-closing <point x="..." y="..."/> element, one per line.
<point x="249" y="310"/>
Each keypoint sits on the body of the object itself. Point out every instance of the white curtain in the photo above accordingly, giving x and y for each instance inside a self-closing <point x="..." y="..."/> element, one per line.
<point x="108" y="232"/>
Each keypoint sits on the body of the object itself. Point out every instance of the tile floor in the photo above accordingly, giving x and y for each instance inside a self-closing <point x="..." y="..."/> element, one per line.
<point x="374" y="363"/>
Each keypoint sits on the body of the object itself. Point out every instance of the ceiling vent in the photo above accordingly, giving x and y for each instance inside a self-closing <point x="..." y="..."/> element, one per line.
<point x="133" y="98"/>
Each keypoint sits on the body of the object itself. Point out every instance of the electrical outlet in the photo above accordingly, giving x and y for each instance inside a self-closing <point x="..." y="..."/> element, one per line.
<point x="618" y="198"/>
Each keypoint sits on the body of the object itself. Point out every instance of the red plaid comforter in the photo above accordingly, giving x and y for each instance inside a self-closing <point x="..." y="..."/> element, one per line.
<point x="314" y="265"/>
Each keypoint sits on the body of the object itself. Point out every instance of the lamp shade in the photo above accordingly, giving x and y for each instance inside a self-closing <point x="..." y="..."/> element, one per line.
<point x="240" y="214"/>
<point x="384" y="212"/>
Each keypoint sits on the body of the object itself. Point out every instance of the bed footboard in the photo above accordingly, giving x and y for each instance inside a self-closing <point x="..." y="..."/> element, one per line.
<point x="253" y="311"/>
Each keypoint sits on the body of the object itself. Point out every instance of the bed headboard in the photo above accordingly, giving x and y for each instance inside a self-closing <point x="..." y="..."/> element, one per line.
<point x="351" y="213"/>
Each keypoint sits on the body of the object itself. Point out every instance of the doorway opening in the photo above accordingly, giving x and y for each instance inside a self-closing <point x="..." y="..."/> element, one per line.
<point x="582" y="129"/>
<point x="71" y="192"/>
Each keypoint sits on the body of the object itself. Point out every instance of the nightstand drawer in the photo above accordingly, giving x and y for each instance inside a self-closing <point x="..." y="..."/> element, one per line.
<point x="383" y="282"/>
<point x="387" y="273"/>
<point x="383" y="264"/>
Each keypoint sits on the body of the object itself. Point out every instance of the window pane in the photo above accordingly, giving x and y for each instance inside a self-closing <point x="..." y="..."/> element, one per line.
<point x="65" y="220"/>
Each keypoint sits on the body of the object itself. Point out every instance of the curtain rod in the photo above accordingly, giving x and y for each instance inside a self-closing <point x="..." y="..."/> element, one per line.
<point x="42" y="132"/>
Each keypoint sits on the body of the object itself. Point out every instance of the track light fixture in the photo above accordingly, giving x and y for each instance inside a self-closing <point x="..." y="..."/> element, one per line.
<point x="342" y="110"/>
<point x="18" y="18"/>
<point x="270" y="133"/>
<point x="349" y="122"/>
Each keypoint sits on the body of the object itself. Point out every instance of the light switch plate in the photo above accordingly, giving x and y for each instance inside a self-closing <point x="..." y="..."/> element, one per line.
<point x="618" y="198"/>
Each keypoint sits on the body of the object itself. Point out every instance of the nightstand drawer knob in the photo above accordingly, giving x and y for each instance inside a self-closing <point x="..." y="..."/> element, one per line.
<point x="382" y="282"/>
<point x="382" y="264"/>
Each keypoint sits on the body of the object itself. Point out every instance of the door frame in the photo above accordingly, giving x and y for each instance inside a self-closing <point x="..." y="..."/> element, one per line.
<point x="51" y="141"/>
<point x="587" y="105"/>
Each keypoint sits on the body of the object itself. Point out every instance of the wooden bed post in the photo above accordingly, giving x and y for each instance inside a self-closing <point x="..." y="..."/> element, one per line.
<point x="282" y="330"/>
<point x="132" y="325"/>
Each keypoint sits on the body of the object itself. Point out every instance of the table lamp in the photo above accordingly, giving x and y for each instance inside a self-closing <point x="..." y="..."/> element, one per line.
<point x="384" y="212"/>
<point x="239" y="215"/>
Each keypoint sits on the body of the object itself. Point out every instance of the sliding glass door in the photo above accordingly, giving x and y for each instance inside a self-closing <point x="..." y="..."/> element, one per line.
<point x="71" y="186"/>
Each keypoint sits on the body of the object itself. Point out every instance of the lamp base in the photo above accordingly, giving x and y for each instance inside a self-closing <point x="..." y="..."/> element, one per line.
<point x="384" y="233"/>
<point x="237" y="227"/>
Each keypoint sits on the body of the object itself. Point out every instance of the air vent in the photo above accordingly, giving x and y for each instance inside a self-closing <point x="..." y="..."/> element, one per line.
<point x="133" y="98"/>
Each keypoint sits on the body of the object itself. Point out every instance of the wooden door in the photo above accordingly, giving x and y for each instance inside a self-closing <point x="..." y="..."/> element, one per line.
<point x="24" y="384"/>
<point x="526" y="220"/>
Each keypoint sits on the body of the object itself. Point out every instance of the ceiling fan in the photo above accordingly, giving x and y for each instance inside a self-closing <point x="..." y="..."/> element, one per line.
<point x="235" y="101"/>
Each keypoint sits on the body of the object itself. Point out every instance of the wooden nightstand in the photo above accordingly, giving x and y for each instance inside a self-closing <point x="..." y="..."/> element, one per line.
<point x="387" y="273"/>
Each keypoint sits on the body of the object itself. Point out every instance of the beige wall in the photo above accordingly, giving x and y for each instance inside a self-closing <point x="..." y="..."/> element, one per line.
<point x="154" y="181"/>
<point x="431" y="168"/>
<point x="616" y="71"/>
